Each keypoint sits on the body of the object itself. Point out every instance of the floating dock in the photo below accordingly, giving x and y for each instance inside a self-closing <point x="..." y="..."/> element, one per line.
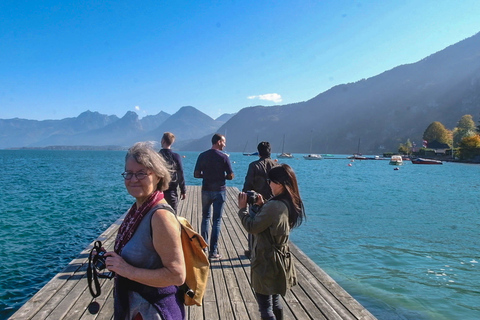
<point x="228" y="296"/>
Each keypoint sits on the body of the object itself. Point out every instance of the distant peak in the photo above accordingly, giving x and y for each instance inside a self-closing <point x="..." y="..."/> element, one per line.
<point x="130" y="114"/>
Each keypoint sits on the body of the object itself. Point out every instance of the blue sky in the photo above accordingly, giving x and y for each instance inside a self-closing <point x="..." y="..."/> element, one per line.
<point x="60" y="58"/>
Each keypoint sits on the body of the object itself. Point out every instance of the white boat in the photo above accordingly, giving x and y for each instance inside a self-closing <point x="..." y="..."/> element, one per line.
<point x="284" y="155"/>
<point x="396" y="160"/>
<point x="357" y="156"/>
<point x="313" y="156"/>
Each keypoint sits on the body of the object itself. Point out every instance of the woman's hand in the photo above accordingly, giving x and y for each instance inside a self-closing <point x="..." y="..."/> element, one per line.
<point x="242" y="200"/>
<point x="260" y="201"/>
<point x="117" y="264"/>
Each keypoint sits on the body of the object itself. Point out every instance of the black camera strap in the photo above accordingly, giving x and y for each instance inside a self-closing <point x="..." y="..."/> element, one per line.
<point x="92" y="274"/>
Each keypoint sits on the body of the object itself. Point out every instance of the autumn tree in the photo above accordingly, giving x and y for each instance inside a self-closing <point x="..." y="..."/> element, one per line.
<point x="469" y="147"/>
<point x="465" y="128"/>
<point x="478" y="127"/>
<point x="437" y="131"/>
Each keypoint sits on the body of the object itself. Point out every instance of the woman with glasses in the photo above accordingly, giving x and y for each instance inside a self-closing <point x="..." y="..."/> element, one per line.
<point x="272" y="269"/>
<point x="148" y="258"/>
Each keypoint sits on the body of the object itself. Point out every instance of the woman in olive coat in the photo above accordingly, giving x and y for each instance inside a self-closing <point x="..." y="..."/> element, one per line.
<point x="272" y="270"/>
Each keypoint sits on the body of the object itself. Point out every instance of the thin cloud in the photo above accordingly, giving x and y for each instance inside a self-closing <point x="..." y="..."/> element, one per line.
<point x="140" y="110"/>
<point x="274" y="97"/>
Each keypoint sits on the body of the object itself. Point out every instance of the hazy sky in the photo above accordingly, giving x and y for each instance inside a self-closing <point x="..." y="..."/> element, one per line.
<point x="60" y="58"/>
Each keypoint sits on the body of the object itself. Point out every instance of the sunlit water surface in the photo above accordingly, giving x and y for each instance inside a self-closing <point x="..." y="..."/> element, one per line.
<point x="404" y="243"/>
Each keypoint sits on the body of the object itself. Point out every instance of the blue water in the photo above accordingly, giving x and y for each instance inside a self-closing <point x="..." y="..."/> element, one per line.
<point x="405" y="243"/>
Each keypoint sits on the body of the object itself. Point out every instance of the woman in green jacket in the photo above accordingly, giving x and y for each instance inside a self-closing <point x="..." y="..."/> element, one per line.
<point x="272" y="269"/>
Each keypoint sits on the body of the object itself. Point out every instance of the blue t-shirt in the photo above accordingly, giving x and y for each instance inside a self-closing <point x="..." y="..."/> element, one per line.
<point x="214" y="165"/>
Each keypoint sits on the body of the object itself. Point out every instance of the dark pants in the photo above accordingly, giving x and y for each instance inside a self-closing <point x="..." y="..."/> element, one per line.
<point x="250" y="236"/>
<point x="270" y="306"/>
<point x="171" y="196"/>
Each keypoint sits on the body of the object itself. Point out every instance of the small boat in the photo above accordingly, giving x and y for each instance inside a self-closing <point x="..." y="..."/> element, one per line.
<point x="426" y="161"/>
<point x="396" y="160"/>
<point x="357" y="156"/>
<point x="313" y="156"/>
<point x="284" y="155"/>
<point x="249" y="153"/>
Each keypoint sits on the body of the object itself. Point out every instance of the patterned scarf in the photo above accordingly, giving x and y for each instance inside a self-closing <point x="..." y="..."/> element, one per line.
<point x="133" y="218"/>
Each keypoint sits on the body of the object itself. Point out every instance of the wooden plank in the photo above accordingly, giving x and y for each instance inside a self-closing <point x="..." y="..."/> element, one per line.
<point x="238" y="237"/>
<point x="75" y="300"/>
<point x="106" y="307"/>
<point x="228" y="295"/>
<point x="53" y="292"/>
<point x="232" y="273"/>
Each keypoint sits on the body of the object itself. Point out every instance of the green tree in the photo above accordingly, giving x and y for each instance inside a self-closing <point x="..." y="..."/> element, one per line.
<point x="437" y="131"/>
<point x="465" y="128"/>
<point x="405" y="148"/>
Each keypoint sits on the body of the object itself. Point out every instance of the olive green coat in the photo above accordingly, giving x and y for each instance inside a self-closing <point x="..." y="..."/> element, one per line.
<point x="270" y="222"/>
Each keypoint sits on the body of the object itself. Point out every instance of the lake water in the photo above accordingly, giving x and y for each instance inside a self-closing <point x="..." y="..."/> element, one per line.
<point x="405" y="243"/>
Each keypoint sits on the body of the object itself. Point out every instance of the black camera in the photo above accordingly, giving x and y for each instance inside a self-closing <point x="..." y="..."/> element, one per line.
<point x="252" y="197"/>
<point x="99" y="260"/>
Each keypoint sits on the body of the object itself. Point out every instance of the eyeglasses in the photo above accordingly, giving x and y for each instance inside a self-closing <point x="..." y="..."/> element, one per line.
<point x="139" y="175"/>
<point x="268" y="181"/>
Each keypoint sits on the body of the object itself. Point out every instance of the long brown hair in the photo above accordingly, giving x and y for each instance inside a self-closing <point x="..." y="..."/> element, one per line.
<point x="285" y="176"/>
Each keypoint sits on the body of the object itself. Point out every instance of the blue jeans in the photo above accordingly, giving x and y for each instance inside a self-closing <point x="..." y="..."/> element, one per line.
<point x="270" y="306"/>
<point x="217" y="199"/>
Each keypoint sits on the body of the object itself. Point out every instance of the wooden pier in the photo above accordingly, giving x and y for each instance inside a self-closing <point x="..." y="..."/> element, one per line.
<point x="228" y="296"/>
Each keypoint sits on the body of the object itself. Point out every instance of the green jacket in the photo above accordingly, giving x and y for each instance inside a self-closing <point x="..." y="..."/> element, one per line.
<point x="270" y="225"/>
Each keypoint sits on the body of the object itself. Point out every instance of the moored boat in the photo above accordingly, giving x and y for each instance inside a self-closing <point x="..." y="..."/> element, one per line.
<point x="396" y="160"/>
<point x="313" y="156"/>
<point x="357" y="156"/>
<point x="284" y="155"/>
<point x="426" y="161"/>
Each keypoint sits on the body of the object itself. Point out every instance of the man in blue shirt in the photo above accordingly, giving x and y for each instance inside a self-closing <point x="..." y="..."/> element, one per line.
<point x="214" y="167"/>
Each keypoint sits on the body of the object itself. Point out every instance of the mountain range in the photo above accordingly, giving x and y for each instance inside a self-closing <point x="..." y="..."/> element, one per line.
<point x="370" y="116"/>
<point x="94" y="129"/>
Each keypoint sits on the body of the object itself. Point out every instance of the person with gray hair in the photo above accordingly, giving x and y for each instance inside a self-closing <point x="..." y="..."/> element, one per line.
<point x="147" y="259"/>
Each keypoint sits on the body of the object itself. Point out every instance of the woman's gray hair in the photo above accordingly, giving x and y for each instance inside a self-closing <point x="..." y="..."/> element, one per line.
<point x="144" y="154"/>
